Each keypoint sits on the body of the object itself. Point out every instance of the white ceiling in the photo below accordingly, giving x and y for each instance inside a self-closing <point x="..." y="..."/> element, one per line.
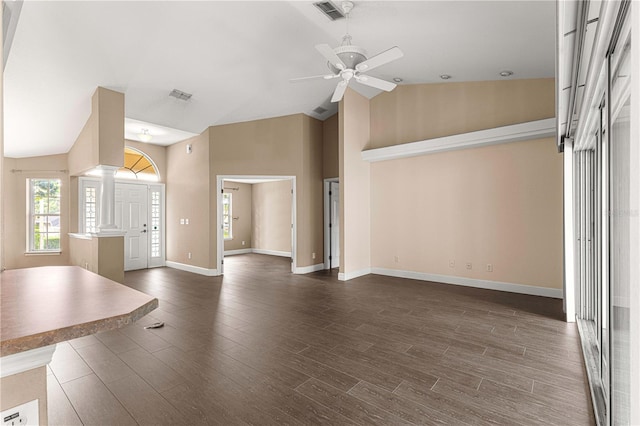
<point x="236" y="58"/>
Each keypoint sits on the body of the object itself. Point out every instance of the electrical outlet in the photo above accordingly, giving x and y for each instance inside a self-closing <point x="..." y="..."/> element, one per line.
<point x="189" y="255"/>
<point x="313" y="255"/>
<point x="452" y="264"/>
<point x="489" y="267"/>
<point x="243" y="242"/>
<point x="22" y="415"/>
<point x="468" y="265"/>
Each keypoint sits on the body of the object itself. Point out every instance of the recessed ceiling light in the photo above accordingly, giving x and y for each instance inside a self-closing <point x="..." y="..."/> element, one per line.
<point x="397" y="79"/>
<point x="445" y="76"/>
<point x="506" y="73"/>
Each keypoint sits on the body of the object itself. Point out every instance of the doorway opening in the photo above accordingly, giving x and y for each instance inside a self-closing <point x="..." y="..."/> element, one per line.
<point x="331" y="223"/>
<point x="256" y="215"/>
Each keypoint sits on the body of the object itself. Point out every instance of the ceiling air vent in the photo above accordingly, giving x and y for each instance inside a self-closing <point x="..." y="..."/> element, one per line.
<point x="330" y="10"/>
<point x="179" y="94"/>
<point x="320" y="110"/>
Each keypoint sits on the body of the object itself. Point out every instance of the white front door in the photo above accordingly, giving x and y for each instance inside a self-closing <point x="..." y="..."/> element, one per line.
<point x="131" y="217"/>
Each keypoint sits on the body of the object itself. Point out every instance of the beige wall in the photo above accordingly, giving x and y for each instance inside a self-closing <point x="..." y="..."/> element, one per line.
<point x="241" y="210"/>
<point x="274" y="147"/>
<point x="355" y="190"/>
<point x="311" y="220"/>
<point x="101" y="141"/>
<point x="271" y="216"/>
<point x="412" y="113"/>
<point x="330" y="167"/>
<point x="157" y="153"/>
<point x="101" y="255"/>
<point x="23" y="387"/>
<point x="498" y="205"/>
<point x="16" y="173"/>
<point x="188" y="196"/>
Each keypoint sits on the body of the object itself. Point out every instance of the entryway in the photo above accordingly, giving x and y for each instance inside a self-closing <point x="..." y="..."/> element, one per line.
<point x="256" y="215"/>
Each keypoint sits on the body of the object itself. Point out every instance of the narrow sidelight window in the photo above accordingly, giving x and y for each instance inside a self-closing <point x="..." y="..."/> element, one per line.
<point x="227" y="220"/>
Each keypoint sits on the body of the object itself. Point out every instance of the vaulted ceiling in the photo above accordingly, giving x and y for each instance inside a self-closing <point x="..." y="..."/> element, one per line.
<point x="237" y="58"/>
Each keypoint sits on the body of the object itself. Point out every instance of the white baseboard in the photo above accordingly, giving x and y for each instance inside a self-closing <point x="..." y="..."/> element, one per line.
<point x="195" y="269"/>
<point x="238" y="251"/>
<point x="346" y="276"/>
<point x="471" y="282"/>
<point x="272" y="252"/>
<point x="309" y="269"/>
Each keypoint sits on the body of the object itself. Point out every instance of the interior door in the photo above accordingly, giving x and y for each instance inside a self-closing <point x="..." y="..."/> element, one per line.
<point x="334" y="209"/>
<point x="131" y="217"/>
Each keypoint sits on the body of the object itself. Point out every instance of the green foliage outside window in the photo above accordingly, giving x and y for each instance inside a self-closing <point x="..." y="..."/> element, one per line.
<point x="45" y="214"/>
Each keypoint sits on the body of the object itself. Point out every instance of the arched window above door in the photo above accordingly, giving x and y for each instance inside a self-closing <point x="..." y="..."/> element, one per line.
<point x="137" y="166"/>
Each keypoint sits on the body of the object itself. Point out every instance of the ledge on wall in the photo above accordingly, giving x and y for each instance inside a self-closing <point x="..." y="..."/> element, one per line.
<point x="514" y="133"/>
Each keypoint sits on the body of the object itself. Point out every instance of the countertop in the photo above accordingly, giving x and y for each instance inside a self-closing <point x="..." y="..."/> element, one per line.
<point x="51" y="304"/>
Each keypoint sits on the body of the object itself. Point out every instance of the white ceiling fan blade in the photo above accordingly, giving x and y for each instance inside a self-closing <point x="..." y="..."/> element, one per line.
<point x="375" y="82"/>
<point x="314" y="77"/>
<point x="331" y="56"/>
<point x="339" y="92"/>
<point x="380" y="59"/>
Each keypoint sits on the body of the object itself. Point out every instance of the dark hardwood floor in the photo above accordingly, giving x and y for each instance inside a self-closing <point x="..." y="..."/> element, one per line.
<point x="262" y="346"/>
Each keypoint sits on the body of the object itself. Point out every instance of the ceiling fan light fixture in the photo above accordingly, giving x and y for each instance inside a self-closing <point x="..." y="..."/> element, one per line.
<point x="144" y="136"/>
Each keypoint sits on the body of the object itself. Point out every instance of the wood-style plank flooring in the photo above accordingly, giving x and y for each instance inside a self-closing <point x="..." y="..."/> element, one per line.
<point x="262" y="346"/>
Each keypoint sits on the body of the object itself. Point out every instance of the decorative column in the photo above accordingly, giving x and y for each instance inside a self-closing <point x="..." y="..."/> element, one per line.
<point x="107" y="199"/>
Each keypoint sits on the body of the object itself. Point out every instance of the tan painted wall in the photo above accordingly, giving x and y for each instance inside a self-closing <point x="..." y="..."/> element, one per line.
<point x="271" y="147"/>
<point x="498" y="205"/>
<point x="412" y="113"/>
<point x="355" y="188"/>
<point x="23" y="387"/>
<point x="311" y="221"/>
<point x="188" y="196"/>
<point x="241" y="208"/>
<point x="110" y="126"/>
<point x="330" y="165"/>
<point x="15" y="209"/>
<point x="84" y="154"/>
<point x="110" y="254"/>
<point x="271" y="216"/>
<point x="157" y="153"/>
<point x="101" y="141"/>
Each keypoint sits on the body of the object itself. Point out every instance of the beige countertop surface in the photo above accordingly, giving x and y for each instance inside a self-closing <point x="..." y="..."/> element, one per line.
<point x="46" y="305"/>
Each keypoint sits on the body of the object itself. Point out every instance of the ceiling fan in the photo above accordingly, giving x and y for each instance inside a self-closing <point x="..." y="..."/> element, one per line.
<point x="350" y="62"/>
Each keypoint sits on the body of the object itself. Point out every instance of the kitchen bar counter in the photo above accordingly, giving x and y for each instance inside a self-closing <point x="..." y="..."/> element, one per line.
<point x="46" y="305"/>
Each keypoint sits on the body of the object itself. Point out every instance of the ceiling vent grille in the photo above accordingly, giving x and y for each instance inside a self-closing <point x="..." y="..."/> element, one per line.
<point x="320" y="110"/>
<point x="329" y="10"/>
<point x="179" y="94"/>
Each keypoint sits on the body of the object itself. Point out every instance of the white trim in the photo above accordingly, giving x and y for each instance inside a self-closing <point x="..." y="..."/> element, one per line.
<point x="471" y="282"/>
<point x="309" y="269"/>
<point x="238" y="251"/>
<point x="194" y="269"/>
<point x="346" y="276"/>
<point x="27" y="360"/>
<point x="514" y="133"/>
<point x="569" y="287"/>
<point x="272" y="252"/>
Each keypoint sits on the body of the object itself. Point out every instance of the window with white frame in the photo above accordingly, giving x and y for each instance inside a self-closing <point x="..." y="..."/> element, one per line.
<point x="227" y="219"/>
<point x="44" y="215"/>
<point x="89" y="202"/>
